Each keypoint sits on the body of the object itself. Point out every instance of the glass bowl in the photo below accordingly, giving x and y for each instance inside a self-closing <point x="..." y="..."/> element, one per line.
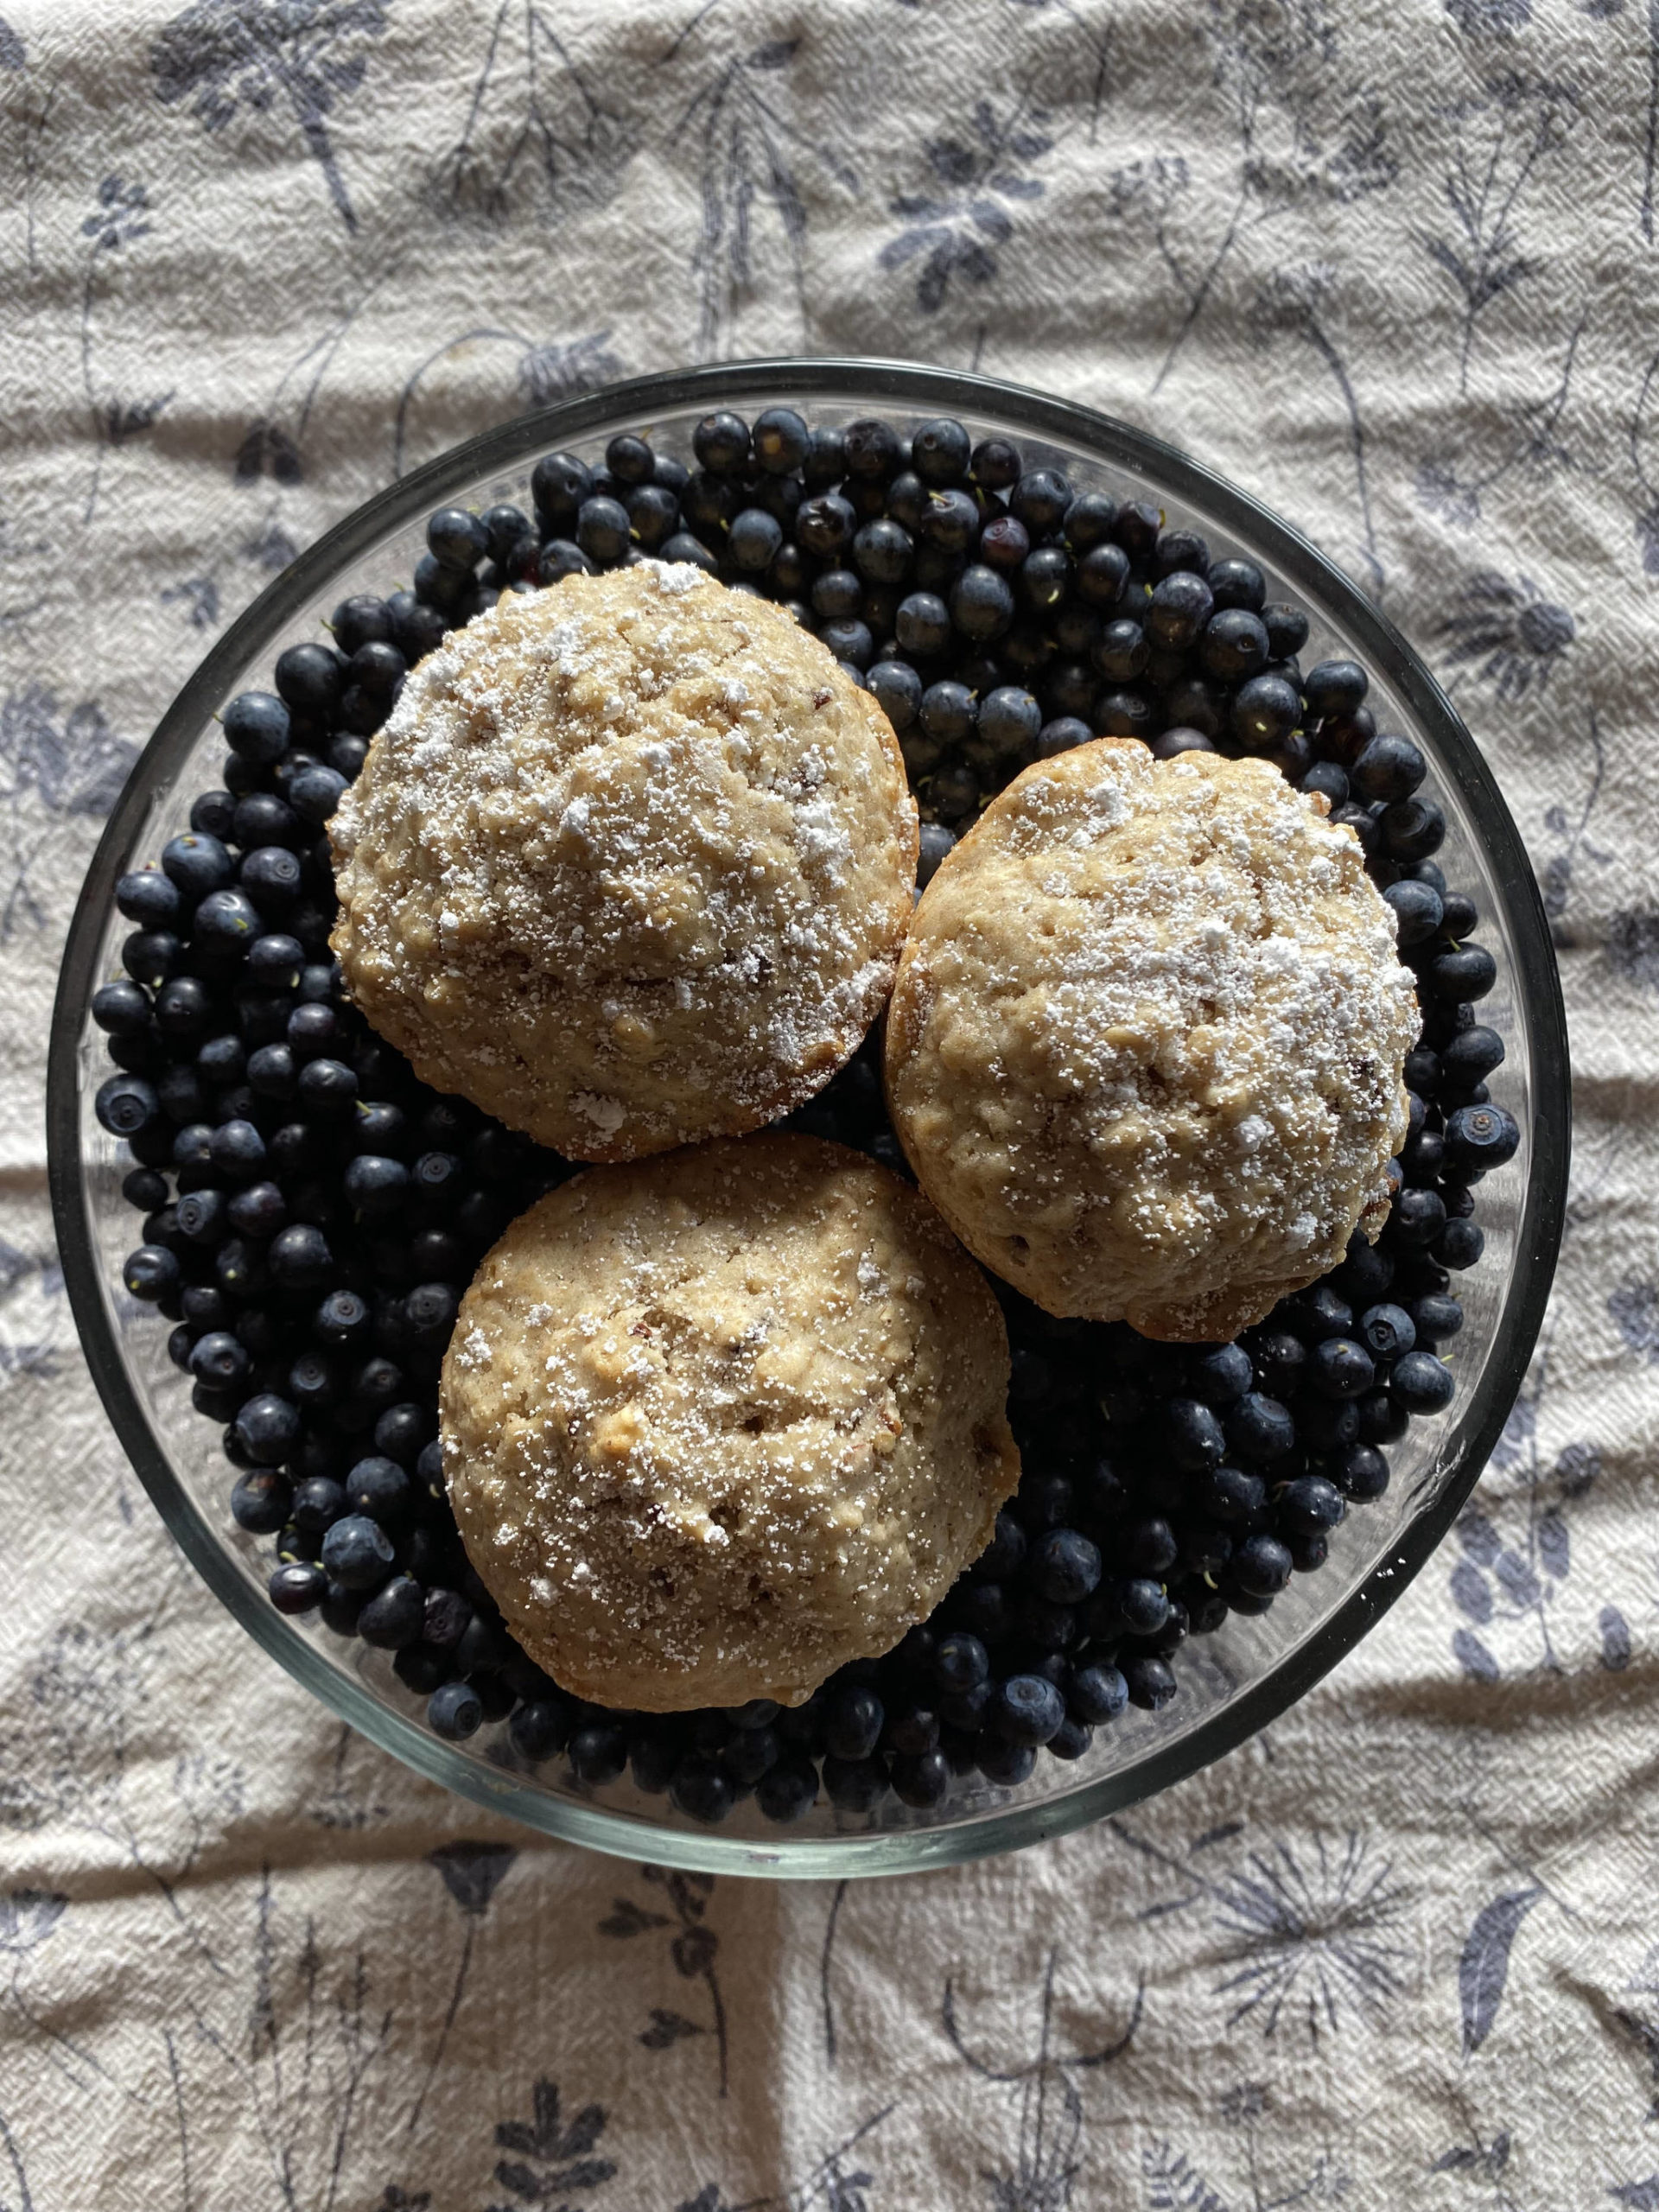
<point x="1233" y="1682"/>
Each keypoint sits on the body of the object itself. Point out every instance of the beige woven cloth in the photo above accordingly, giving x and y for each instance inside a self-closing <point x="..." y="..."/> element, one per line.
<point x="1392" y="268"/>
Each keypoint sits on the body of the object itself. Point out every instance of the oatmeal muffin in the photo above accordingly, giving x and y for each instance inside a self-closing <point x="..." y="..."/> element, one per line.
<point x="716" y="1423"/>
<point x="629" y="865"/>
<point x="1145" y="1048"/>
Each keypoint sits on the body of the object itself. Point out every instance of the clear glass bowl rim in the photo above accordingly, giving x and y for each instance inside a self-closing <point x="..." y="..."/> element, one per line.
<point x="1309" y="573"/>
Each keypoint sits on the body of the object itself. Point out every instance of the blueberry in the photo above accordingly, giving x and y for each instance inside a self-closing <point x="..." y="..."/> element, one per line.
<point x="1235" y="645"/>
<point x="881" y="552"/>
<point x="392" y="1616"/>
<point x="1386" y="1332"/>
<point x="1421" y="1384"/>
<point x="948" y="712"/>
<point x="259" y="1209"/>
<point x="1416" y="1219"/>
<point x="196" y="864"/>
<point x="327" y="1089"/>
<point x="375" y="1186"/>
<point x="1220" y="1377"/>
<point x="267" y="1428"/>
<point x="298" y="1586"/>
<point x="319" y="1502"/>
<point x="152" y="1273"/>
<point x="787" y="1791"/>
<point x="456" y="540"/>
<point x="701" y="1790"/>
<point x="897" y="690"/>
<point x="259" y="1502"/>
<point x="121" y="1009"/>
<point x="940" y="451"/>
<point x="1335" y="687"/>
<point x="1338" y="1368"/>
<point x="1097" y="1694"/>
<point x="1124" y="712"/>
<point x="309" y="679"/>
<point x="602" y="530"/>
<point x="257" y="727"/>
<point x="1435" y="1316"/>
<point x="1417" y="910"/>
<point x="981" y="604"/>
<point x="1102" y="576"/>
<point x="1192" y="1435"/>
<point x="1459" y="974"/>
<point x="936" y="842"/>
<point x="850" y="642"/>
<point x="854" y="1716"/>
<point x="1265" y="711"/>
<point x="629" y="459"/>
<point x="300" y="1258"/>
<point x="1259" y="1427"/>
<point x="1260" y="1566"/>
<point x="1459" y="1244"/>
<point x="598" y="1753"/>
<point x="415" y="630"/>
<point x="1026" y="1709"/>
<point x="871" y="451"/>
<point x="237" y="1151"/>
<point x="1010" y="720"/>
<point x="1065" y="1567"/>
<point x="1468" y="1057"/>
<point x="960" y="1662"/>
<point x="455" y="1712"/>
<point x="1412" y="828"/>
<point x="146" y="1189"/>
<point x="720" y="442"/>
<point x="922" y="625"/>
<point x="357" y="1551"/>
<point x="1287" y="628"/>
<point x="1120" y="651"/>
<point x="381" y="1488"/>
<point x="1150" y="1547"/>
<point x="1179" y="608"/>
<point x="1180" y="549"/>
<point x="1317" y="1314"/>
<point x="1061" y="735"/>
<point x="1308" y="1506"/>
<point x="1148" y="1682"/>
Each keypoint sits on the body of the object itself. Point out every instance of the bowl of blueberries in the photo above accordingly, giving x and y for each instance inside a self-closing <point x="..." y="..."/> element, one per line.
<point x="267" y="1222"/>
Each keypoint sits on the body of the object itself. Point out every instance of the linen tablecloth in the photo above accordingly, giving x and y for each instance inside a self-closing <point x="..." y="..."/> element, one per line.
<point x="1392" y="268"/>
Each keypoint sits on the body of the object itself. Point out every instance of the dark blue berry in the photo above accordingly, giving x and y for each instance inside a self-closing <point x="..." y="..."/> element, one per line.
<point x="357" y="1551"/>
<point x="1026" y="1709"/>
<point x="392" y="1618"/>
<point x="1459" y="1244"/>
<point x="1065" y="1567"/>
<point x="1386" y="1331"/>
<point x="922" y="625"/>
<point x="267" y="1428"/>
<point x="196" y="864"/>
<point x="936" y="842"/>
<point x="1481" y="1137"/>
<point x="309" y="679"/>
<point x="1421" y="1384"/>
<point x="298" y="1586"/>
<point x="1179" y="608"/>
<point x="1470" y="1056"/>
<point x="598" y="1754"/>
<point x="1121" y="650"/>
<point x="1265" y="712"/>
<point x="456" y="540"/>
<point x="1192" y="1435"/>
<point x="602" y="530"/>
<point x="319" y="1502"/>
<point x="981" y="604"/>
<point x="940" y="451"/>
<point x="381" y="1488"/>
<point x="897" y="690"/>
<point x="1149" y="1681"/>
<point x="948" y="712"/>
<point x="960" y="1662"/>
<point x="1219" y="1376"/>
<point x="1338" y="1368"/>
<point x="1061" y="735"/>
<point x="753" y="540"/>
<point x="1412" y="828"/>
<point x="1309" y="1505"/>
<point x="152" y="1272"/>
<point x="455" y="1711"/>
<point x="257" y="728"/>
<point x="1260" y="1567"/>
<point x="720" y="442"/>
<point x="854" y="1716"/>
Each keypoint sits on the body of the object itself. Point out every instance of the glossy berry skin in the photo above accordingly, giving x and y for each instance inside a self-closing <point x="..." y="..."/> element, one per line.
<point x="1421" y="1384"/>
<point x="1026" y="1709"/>
<point x="1481" y="1137"/>
<point x="298" y="1587"/>
<point x="981" y="604"/>
<point x="268" y="1427"/>
<point x="853" y="1722"/>
<point x="1261" y="1567"/>
<point x="455" y="1711"/>
<point x="1310" y="1505"/>
<point x="1386" y="1331"/>
<point x="1339" y="1367"/>
<point x="1179" y="608"/>
<point x="357" y="1552"/>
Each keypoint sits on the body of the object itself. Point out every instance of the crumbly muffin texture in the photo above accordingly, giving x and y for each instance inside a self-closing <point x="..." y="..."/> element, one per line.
<point x="1145" y="1048"/>
<point x="629" y="865"/>
<point x="714" y="1424"/>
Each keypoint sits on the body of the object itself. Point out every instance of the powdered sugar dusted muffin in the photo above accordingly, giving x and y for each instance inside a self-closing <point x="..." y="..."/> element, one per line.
<point x="716" y="1423"/>
<point x="1145" y="1048"/>
<point x="629" y="865"/>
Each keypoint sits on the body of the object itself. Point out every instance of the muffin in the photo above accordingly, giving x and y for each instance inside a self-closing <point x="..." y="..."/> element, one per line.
<point x="714" y="1424"/>
<point x="1145" y="1048"/>
<point x="629" y="864"/>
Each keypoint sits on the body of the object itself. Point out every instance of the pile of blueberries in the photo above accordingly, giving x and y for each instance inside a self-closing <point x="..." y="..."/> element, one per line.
<point x="314" y="1213"/>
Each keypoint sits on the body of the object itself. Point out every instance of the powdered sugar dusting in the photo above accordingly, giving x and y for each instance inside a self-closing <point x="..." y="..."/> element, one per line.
<point x="1174" y="1023"/>
<point x="629" y="864"/>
